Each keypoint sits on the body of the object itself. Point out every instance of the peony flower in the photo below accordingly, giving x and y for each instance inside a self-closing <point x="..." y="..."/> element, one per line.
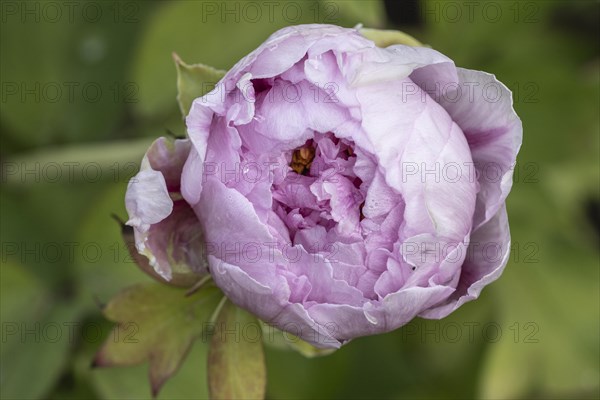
<point x="342" y="189"/>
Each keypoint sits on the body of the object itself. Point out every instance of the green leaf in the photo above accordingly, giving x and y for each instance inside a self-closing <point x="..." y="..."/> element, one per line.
<point x="37" y="333"/>
<point x="79" y="91"/>
<point x="80" y="163"/>
<point x="130" y="382"/>
<point x="236" y="361"/>
<point x="194" y="81"/>
<point x="22" y="293"/>
<point x="548" y="344"/>
<point x="106" y="267"/>
<point x="385" y="38"/>
<point x="155" y="323"/>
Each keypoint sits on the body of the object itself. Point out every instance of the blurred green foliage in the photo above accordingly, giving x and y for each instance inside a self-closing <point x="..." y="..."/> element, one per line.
<point x="72" y="85"/>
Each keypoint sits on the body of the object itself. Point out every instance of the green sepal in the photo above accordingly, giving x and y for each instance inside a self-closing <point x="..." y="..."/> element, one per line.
<point x="194" y="81"/>
<point x="279" y="339"/>
<point x="385" y="38"/>
<point x="236" y="361"/>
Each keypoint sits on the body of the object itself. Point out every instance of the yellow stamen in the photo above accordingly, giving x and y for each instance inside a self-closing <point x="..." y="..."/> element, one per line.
<point x="302" y="159"/>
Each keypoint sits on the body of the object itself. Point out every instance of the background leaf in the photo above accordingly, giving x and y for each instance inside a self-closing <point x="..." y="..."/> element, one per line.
<point x="38" y="333"/>
<point x="158" y="324"/>
<point x="370" y="13"/>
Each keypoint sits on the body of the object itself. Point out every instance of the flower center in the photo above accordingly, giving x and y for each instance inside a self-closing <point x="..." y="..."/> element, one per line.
<point x="321" y="187"/>
<point x="302" y="159"/>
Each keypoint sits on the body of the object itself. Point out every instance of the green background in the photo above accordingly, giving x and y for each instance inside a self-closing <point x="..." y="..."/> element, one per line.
<point x="85" y="92"/>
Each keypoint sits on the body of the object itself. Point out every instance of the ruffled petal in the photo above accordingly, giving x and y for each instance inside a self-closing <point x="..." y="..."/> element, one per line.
<point x="176" y="244"/>
<point x="270" y="303"/>
<point x="494" y="132"/>
<point x="485" y="259"/>
<point x="424" y="156"/>
<point x="167" y="157"/>
<point x="166" y="232"/>
<point x="147" y="199"/>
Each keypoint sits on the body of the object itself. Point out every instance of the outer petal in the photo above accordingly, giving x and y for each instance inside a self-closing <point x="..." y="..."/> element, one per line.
<point x="486" y="258"/>
<point x="399" y="62"/>
<point x="147" y="199"/>
<point x="415" y="141"/>
<point x="167" y="157"/>
<point x="175" y="245"/>
<point x="166" y="232"/>
<point x="235" y="234"/>
<point x="270" y="303"/>
<point x="393" y="311"/>
<point x="401" y="307"/>
<point x="483" y="109"/>
<point x="345" y="322"/>
<point x="198" y="124"/>
<point x="289" y="45"/>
